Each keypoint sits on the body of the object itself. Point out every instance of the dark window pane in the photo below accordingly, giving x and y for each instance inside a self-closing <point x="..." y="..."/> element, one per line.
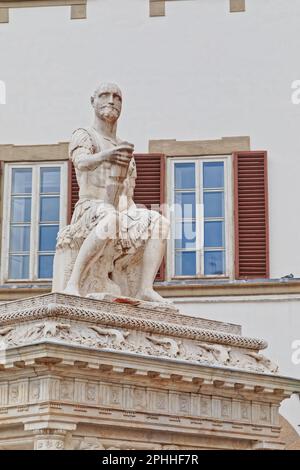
<point x="48" y="235"/>
<point x="184" y="175"/>
<point x="214" y="263"/>
<point x="185" y="205"/>
<point x="45" y="266"/>
<point x="185" y="263"/>
<point x="213" y="175"/>
<point x="50" y="180"/>
<point x="49" y="209"/>
<point x="185" y="235"/>
<point x="214" y="234"/>
<point x="18" y="267"/>
<point x="20" y="209"/>
<point x="19" y="238"/>
<point x="21" y="180"/>
<point x="213" y="204"/>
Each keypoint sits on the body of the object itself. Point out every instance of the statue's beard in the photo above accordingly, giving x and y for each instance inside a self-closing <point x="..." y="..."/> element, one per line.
<point x="108" y="113"/>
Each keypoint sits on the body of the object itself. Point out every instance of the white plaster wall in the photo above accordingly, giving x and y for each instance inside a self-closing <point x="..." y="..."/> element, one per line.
<point x="198" y="73"/>
<point x="274" y="318"/>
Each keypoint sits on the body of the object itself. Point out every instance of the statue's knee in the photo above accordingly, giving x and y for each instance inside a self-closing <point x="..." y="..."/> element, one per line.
<point x="107" y="226"/>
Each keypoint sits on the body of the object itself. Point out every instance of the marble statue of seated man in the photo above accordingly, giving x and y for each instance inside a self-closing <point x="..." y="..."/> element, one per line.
<point x="111" y="246"/>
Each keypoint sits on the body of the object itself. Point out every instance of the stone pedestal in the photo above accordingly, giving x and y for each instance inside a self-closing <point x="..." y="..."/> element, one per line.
<point x="99" y="374"/>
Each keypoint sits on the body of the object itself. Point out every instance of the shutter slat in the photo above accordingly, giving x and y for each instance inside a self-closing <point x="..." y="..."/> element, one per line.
<point x="148" y="183"/>
<point x="251" y="215"/>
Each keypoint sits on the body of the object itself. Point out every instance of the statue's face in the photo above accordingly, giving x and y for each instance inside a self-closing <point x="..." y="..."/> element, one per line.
<point x="107" y="103"/>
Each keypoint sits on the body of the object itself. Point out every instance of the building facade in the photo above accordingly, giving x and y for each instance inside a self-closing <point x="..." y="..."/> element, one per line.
<point x="211" y="103"/>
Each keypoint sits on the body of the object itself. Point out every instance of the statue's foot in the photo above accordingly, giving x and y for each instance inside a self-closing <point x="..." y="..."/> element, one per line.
<point x="71" y="289"/>
<point x="151" y="296"/>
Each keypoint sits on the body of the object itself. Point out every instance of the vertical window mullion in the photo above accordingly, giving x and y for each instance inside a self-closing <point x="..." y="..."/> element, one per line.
<point x="34" y="222"/>
<point x="62" y="195"/>
<point x="7" y="230"/>
<point x="215" y="250"/>
<point x="201" y="217"/>
<point x="198" y="216"/>
<point x="225" y="219"/>
<point x="173" y="220"/>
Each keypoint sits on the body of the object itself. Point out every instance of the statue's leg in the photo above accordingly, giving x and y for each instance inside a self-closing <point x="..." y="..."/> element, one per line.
<point x="91" y="249"/>
<point x="152" y="259"/>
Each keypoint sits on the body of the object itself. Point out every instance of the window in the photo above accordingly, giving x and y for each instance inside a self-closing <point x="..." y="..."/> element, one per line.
<point x="36" y="210"/>
<point x="200" y="229"/>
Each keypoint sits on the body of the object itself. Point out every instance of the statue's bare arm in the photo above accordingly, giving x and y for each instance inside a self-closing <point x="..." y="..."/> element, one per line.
<point x="84" y="160"/>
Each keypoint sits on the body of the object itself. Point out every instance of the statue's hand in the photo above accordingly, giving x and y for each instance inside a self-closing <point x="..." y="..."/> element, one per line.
<point x="121" y="155"/>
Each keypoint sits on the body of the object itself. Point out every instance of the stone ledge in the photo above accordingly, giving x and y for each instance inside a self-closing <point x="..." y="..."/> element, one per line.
<point x="146" y="317"/>
<point x="28" y="307"/>
<point x="223" y="146"/>
<point x="31" y="153"/>
<point x="237" y="6"/>
<point x="78" y="7"/>
<point x="22" y="361"/>
<point x="21" y="309"/>
<point x="143" y="330"/>
<point x="158" y="7"/>
<point x="192" y="288"/>
<point x="189" y="288"/>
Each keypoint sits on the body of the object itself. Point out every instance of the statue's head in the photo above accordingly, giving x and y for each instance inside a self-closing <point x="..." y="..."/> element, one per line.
<point x="107" y="102"/>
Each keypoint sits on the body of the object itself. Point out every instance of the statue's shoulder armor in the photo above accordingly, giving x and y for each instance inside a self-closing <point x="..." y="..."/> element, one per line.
<point x="83" y="138"/>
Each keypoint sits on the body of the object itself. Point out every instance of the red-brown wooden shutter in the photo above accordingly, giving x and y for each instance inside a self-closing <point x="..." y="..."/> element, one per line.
<point x="251" y="215"/>
<point x="150" y="187"/>
<point x="73" y="190"/>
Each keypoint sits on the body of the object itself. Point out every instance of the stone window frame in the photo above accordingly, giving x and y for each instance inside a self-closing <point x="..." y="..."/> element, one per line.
<point x="206" y="150"/>
<point x="158" y="7"/>
<point x="77" y="10"/>
<point x="6" y="171"/>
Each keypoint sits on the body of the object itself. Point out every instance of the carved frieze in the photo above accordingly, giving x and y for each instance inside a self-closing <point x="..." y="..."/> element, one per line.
<point x="139" y="342"/>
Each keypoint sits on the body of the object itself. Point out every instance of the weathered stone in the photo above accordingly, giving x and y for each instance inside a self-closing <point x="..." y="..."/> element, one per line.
<point x="111" y="246"/>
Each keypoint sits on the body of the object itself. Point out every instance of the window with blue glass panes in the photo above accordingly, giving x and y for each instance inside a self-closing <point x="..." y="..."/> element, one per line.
<point x="34" y="221"/>
<point x="199" y="238"/>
